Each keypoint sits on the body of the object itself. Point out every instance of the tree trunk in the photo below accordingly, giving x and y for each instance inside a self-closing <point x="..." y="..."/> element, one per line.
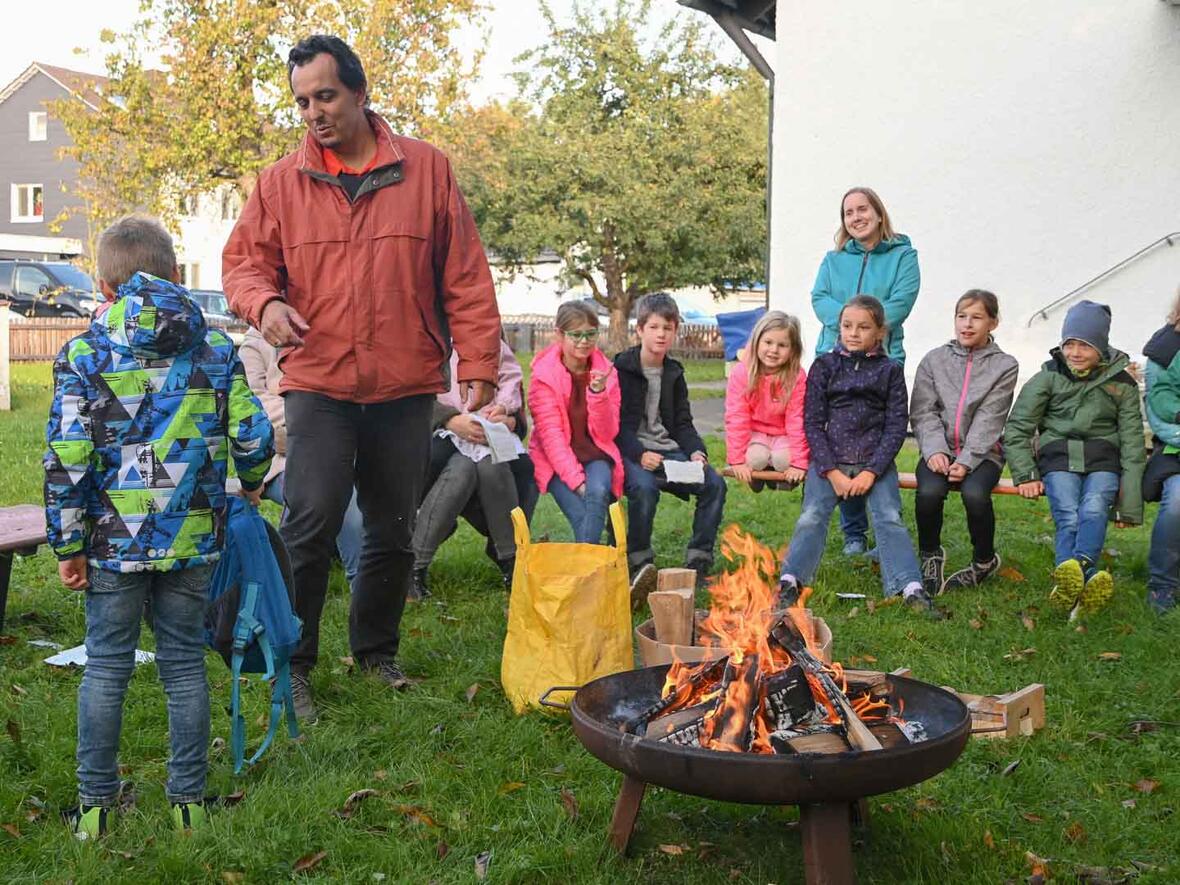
<point x="618" y="297"/>
<point x="617" y="337"/>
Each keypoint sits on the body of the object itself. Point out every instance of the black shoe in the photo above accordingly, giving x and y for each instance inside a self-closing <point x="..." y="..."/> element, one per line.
<point x="933" y="565"/>
<point x="788" y="593"/>
<point x="643" y="580"/>
<point x="389" y="673"/>
<point x="302" y="696"/>
<point x="971" y="576"/>
<point x="419" y="584"/>
<point x="920" y="602"/>
<point x="757" y="485"/>
<point x="507" y="567"/>
<point x="702" y="569"/>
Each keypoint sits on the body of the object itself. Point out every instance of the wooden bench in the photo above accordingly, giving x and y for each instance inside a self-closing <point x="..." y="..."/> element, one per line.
<point x="22" y="530"/>
<point x="904" y="480"/>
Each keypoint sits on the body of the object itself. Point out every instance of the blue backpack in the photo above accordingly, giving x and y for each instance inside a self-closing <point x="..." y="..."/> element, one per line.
<point x="250" y="620"/>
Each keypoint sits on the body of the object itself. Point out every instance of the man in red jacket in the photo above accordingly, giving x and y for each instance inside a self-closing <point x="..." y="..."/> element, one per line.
<point x="358" y="257"/>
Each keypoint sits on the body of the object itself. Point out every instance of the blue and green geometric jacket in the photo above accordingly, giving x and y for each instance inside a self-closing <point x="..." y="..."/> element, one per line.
<point x="147" y="406"/>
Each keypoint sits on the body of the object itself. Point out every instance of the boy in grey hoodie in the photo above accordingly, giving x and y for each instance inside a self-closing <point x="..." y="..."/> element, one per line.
<point x="962" y="394"/>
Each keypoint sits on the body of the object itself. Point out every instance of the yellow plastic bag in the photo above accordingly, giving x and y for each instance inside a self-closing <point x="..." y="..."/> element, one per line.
<point x="569" y="619"/>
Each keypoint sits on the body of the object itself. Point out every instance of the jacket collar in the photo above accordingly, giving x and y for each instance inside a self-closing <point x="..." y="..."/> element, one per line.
<point x="878" y="351"/>
<point x="987" y="349"/>
<point x="1163" y="346"/>
<point x="628" y="361"/>
<point x="1116" y="362"/>
<point x="311" y="154"/>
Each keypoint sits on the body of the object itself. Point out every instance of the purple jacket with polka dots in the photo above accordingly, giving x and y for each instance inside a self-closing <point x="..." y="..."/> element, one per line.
<point x="855" y="411"/>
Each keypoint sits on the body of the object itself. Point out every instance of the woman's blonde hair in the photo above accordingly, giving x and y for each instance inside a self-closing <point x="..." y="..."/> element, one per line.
<point x="1174" y="315"/>
<point x="783" y="379"/>
<point x="887" y="232"/>
<point x="574" y="313"/>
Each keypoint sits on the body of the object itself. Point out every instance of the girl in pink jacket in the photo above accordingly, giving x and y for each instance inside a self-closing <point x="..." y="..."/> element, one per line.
<point x="574" y="400"/>
<point x="764" y="403"/>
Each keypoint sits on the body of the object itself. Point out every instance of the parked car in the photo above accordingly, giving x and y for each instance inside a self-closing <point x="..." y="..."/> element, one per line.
<point x="215" y="307"/>
<point x="47" y="288"/>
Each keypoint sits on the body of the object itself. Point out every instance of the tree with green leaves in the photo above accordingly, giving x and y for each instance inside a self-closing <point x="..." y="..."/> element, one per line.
<point x="641" y="160"/>
<point x="197" y="96"/>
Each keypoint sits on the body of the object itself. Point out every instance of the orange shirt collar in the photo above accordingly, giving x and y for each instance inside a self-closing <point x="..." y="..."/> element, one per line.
<point x="334" y="166"/>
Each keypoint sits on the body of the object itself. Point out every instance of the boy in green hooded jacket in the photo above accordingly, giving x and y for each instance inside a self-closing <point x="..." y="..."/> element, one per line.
<point x="1076" y="435"/>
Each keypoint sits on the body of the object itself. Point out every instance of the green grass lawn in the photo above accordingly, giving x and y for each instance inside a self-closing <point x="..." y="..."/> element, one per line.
<point x="457" y="774"/>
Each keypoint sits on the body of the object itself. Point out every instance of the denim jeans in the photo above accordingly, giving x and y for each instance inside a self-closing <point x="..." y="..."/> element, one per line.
<point x="899" y="564"/>
<point x="348" y="542"/>
<point x="854" y="519"/>
<point x="1080" y="504"/>
<point x="114" y="609"/>
<point x="643" y="489"/>
<point x="587" y="512"/>
<point x="1163" y="560"/>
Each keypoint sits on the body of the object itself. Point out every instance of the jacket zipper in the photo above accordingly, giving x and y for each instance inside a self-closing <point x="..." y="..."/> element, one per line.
<point x="962" y="401"/>
<point x="864" y="264"/>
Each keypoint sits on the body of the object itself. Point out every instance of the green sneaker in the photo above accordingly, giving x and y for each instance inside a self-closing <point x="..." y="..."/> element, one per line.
<point x="1068" y="581"/>
<point x="190" y="817"/>
<point x="90" y="821"/>
<point x="1097" y="592"/>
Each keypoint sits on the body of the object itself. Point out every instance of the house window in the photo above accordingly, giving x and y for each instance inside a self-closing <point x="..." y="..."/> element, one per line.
<point x="27" y="202"/>
<point x="38" y="125"/>
<point x="190" y="274"/>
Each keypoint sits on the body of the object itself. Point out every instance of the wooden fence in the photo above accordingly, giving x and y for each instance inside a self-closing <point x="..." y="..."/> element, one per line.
<point x="693" y="342"/>
<point x="41" y="339"/>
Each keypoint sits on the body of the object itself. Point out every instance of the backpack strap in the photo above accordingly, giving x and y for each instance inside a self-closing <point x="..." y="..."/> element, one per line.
<point x="280" y="698"/>
<point x="246" y="627"/>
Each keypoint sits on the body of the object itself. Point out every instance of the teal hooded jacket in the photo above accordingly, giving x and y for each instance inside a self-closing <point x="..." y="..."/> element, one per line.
<point x="889" y="273"/>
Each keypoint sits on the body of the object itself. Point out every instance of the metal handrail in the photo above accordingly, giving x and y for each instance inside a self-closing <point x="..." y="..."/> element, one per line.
<point x="1043" y="313"/>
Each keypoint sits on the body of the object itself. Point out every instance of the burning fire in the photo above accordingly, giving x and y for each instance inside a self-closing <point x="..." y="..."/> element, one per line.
<point x="771" y="688"/>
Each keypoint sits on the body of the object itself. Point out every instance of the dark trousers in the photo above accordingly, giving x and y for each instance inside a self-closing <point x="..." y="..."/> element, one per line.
<point x="976" y="492"/>
<point x="383" y="449"/>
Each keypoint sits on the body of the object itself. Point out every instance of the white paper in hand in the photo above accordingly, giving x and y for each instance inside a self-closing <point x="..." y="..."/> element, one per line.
<point x="505" y="444"/>
<point x="684" y="472"/>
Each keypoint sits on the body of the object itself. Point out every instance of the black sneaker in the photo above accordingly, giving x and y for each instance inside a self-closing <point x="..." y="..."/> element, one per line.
<point x="389" y="673"/>
<point x="507" y="567"/>
<point x="788" y="593"/>
<point x="419" y="584"/>
<point x="643" y="580"/>
<point x="301" y="693"/>
<point x="702" y="569"/>
<point x="971" y="576"/>
<point x="933" y="565"/>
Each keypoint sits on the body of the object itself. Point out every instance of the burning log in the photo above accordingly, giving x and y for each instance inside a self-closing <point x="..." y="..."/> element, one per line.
<point x="697" y="684"/>
<point x="684" y="727"/>
<point x="822" y="741"/>
<point x="788" y="699"/>
<point x="728" y="727"/>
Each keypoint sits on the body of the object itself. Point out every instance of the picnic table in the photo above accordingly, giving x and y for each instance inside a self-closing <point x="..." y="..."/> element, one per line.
<point x="22" y="530"/>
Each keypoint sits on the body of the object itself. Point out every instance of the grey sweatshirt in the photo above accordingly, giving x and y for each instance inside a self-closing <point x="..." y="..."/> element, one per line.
<point x="961" y="400"/>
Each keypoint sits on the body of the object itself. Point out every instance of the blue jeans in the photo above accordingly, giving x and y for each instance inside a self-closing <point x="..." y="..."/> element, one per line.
<point x="587" y="512"/>
<point x="643" y="488"/>
<point x="1080" y="504"/>
<point x="899" y="564"/>
<point x="348" y="542"/>
<point x="854" y="520"/>
<point x="1163" y="560"/>
<point x="114" y="608"/>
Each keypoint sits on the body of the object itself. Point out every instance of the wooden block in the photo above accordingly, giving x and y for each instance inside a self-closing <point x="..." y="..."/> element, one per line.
<point x="820" y="742"/>
<point x="676" y="579"/>
<point x="672" y="611"/>
<point x="1016" y="714"/>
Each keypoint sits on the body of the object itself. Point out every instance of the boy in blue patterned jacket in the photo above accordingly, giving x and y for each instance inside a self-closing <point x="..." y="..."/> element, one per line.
<point x="147" y="405"/>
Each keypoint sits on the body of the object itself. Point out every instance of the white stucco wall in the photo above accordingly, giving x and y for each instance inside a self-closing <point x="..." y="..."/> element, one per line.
<point x="1025" y="147"/>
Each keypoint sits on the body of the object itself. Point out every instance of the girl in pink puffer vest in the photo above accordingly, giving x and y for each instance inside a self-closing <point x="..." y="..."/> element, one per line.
<point x="764" y="403"/>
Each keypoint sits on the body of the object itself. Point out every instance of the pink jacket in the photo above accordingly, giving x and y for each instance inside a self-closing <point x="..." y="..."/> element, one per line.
<point x="549" y="399"/>
<point x="761" y="412"/>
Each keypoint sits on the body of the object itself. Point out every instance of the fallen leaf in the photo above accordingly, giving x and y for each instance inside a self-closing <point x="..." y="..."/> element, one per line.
<point x="11" y="829"/>
<point x="309" y="862"/>
<point x="380" y="774"/>
<point x="510" y="787"/>
<point x="451" y="618"/>
<point x="989" y="840"/>
<point x="347" y="660"/>
<point x="233" y="798"/>
<point x="975" y="624"/>
<point x="570" y="803"/>
<point x="1029" y="623"/>
<point x="673" y="850"/>
<point x="946" y="852"/>
<point x="870" y="606"/>
<point x="442" y="849"/>
<point x="1129" y="803"/>
<point x="471" y="690"/>
<point x="1010" y="767"/>
<point x="416" y="814"/>
<point x="353" y="802"/>
<point x="232" y="877"/>
<point x="7" y="640"/>
<point x="1021" y="654"/>
<point x="1147" y="785"/>
<point x="13" y="731"/>
<point x="926" y="803"/>
<point x="408" y="787"/>
<point x="853" y="612"/>
<point x="1011" y="574"/>
<point x="1110" y="656"/>
<point x="869" y="658"/>
<point x="481" y="864"/>
<point x="1032" y="818"/>
<point x="19" y="691"/>
<point x="1080" y="628"/>
<point x="1075" y="832"/>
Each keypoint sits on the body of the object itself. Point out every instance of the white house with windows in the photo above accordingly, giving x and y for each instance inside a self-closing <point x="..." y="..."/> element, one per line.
<point x="39" y="185"/>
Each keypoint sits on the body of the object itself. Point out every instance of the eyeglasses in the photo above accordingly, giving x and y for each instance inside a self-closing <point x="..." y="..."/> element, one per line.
<point x="582" y="337"/>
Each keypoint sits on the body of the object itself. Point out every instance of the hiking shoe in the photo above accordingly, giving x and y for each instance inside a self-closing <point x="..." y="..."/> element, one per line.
<point x="389" y="673"/>
<point x="1097" y="592"/>
<point x="301" y="694"/>
<point x="190" y="817"/>
<point x="933" y="565"/>
<point x="856" y="546"/>
<point x="971" y="576"/>
<point x="419" y="584"/>
<point x="788" y="592"/>
<point x="1161" y="601"/>
<point x="702" y="569"/>
<point x="1068" y="581"/>
<point x="643" y="581"/>
<point x="89" y="821"/>
<point x="918" y="600"/>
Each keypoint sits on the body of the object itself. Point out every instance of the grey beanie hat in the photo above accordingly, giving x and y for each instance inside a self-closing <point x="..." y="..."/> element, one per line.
<point x="1089" y="322"/>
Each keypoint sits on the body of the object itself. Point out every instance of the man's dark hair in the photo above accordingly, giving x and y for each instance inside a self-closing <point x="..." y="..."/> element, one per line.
<point x="348" y="66"/>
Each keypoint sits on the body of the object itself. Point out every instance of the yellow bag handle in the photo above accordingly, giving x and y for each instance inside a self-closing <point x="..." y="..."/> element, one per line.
<point x="619" y="524"/>
<point x="520" y="529"/>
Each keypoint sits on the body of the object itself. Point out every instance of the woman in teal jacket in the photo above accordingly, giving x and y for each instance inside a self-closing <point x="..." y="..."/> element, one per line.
<point x="869" y="259"/>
